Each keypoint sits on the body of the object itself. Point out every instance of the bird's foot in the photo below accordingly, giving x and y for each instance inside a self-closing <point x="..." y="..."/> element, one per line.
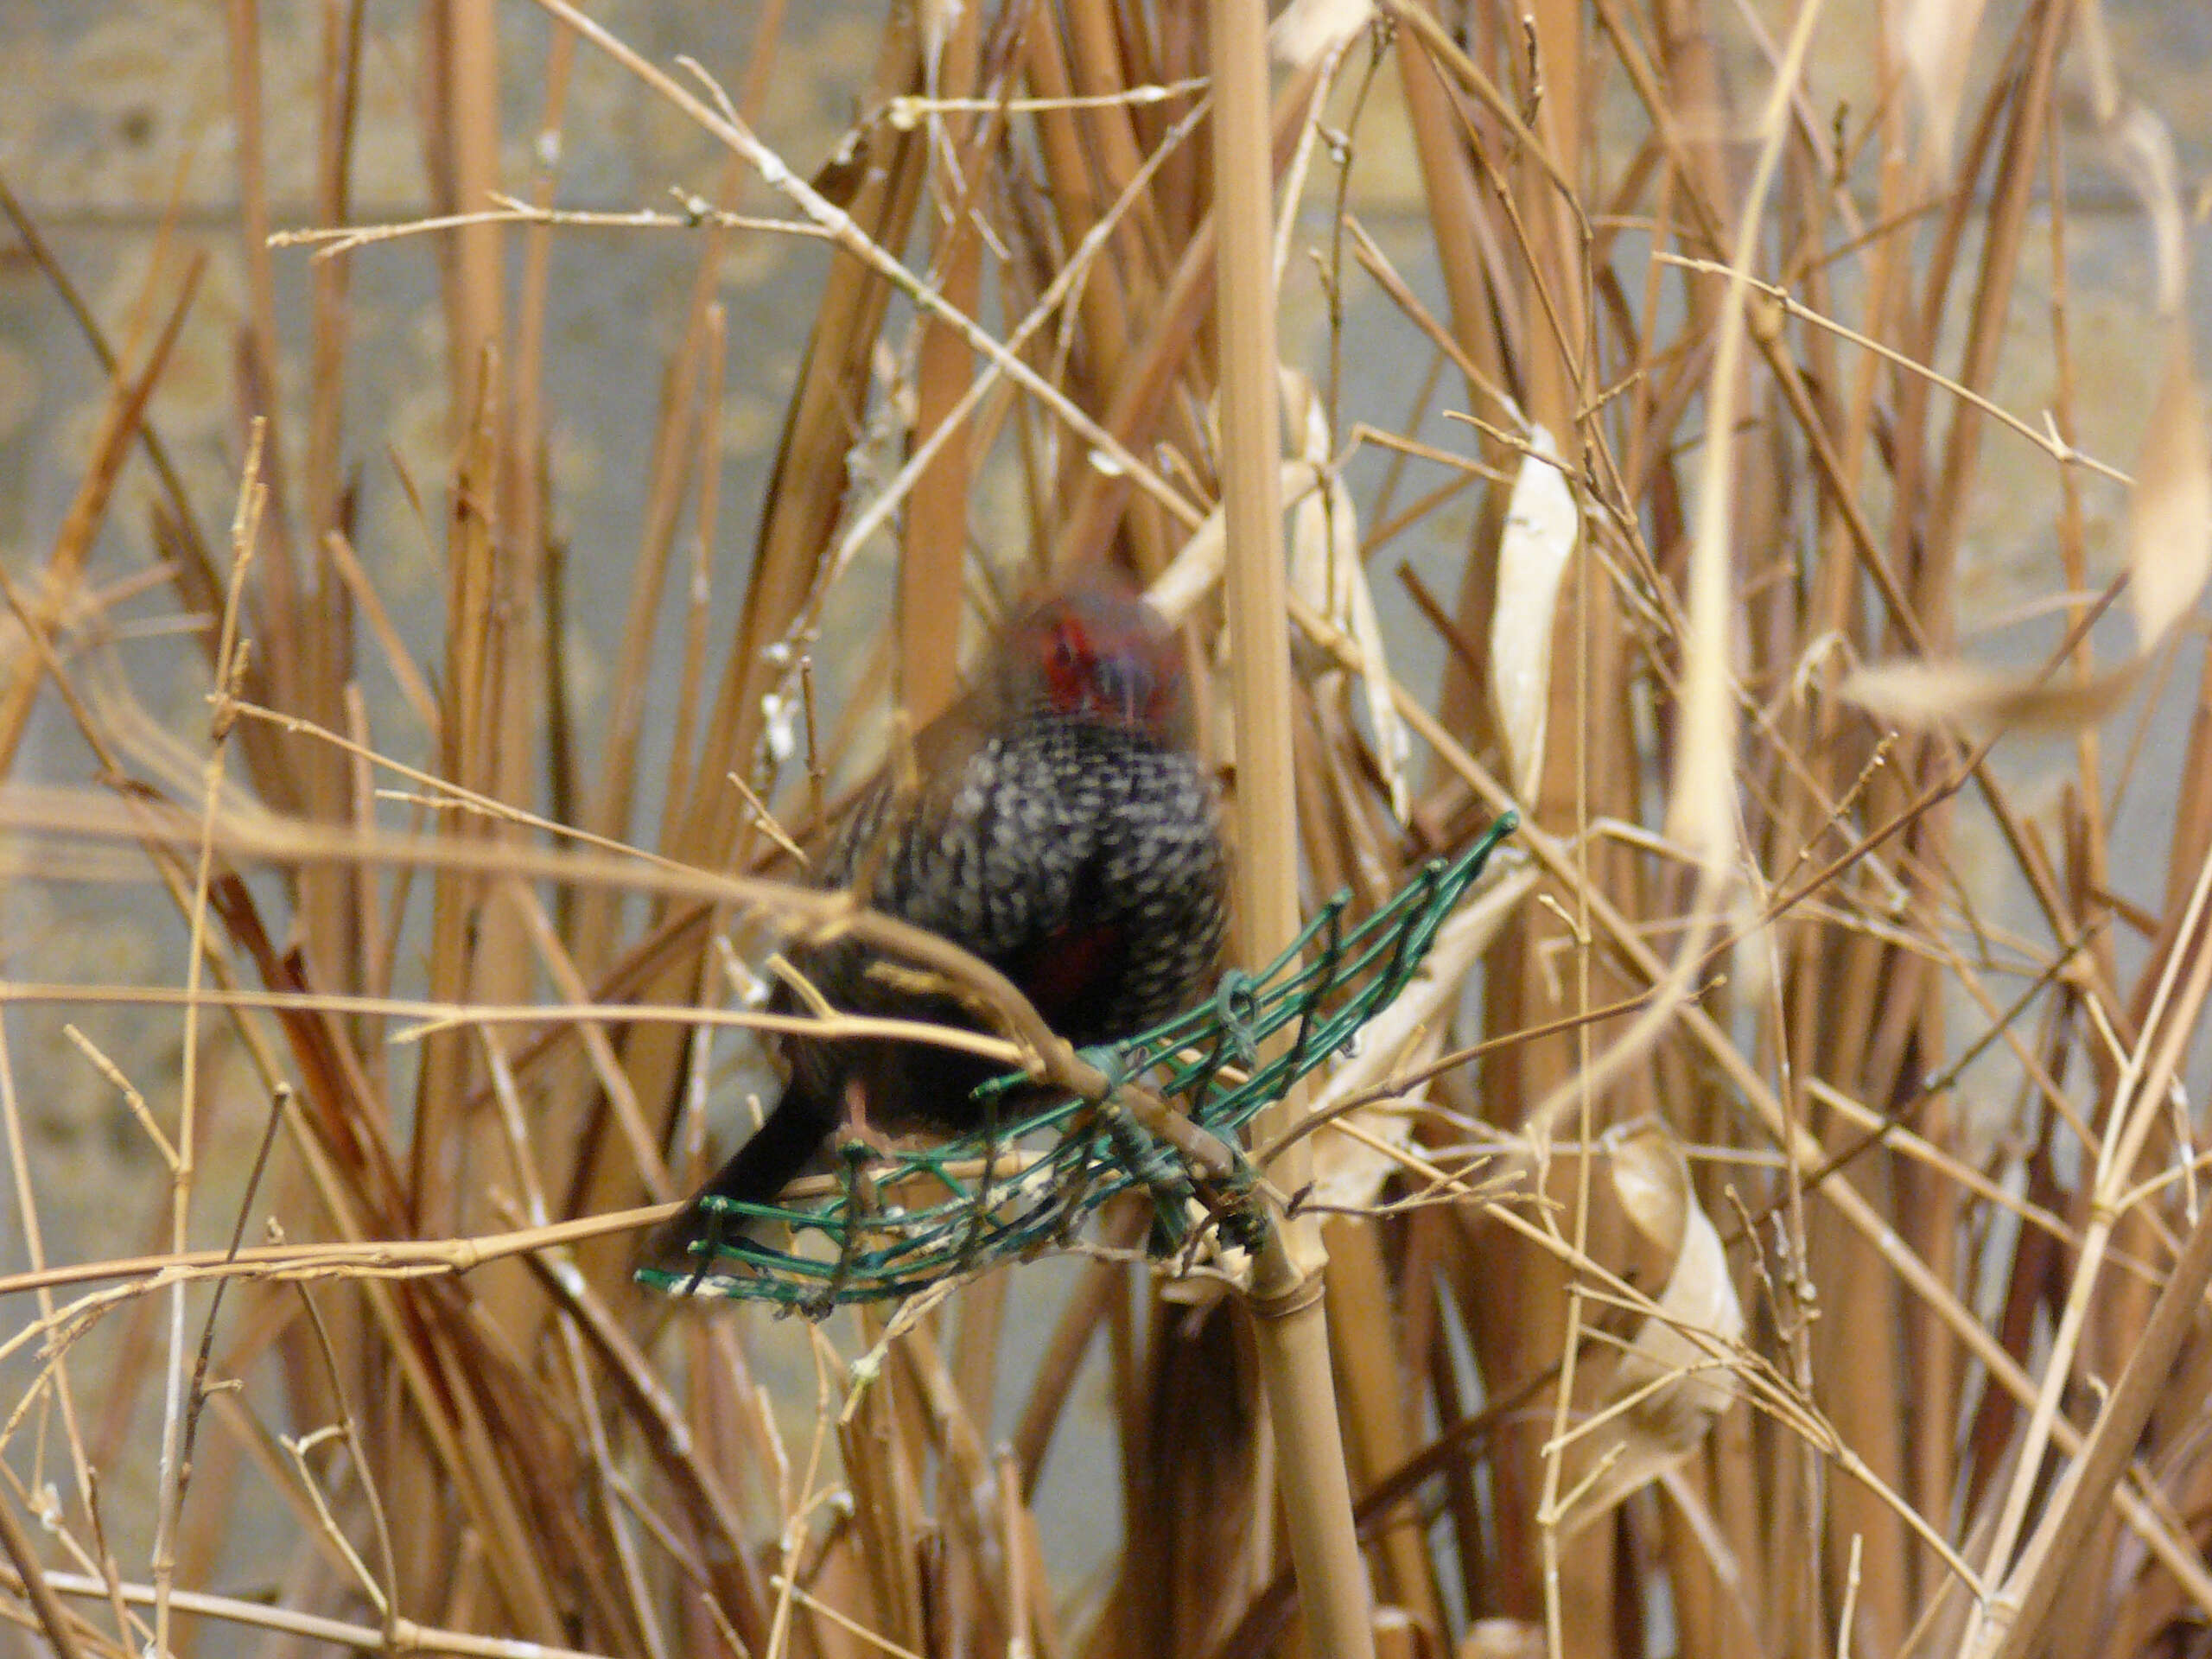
<point x="862" y="1145"/>
<point x="859" y="1147"/>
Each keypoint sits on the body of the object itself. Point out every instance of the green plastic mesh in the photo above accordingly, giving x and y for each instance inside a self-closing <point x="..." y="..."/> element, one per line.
<point x="970" y="1202"/>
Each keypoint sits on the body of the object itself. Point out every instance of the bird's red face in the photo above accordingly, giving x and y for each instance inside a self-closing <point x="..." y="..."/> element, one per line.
<point x="1104" y="656"/>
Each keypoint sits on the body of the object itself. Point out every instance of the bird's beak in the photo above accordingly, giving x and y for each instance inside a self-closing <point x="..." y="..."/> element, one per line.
<point x="1126" y="685"/>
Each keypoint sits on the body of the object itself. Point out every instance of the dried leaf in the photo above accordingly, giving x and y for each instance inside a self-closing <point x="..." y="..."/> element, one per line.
<point x="1960" y="697"/>
<point x="2170" y="559"/>
<point x="1407" y="1034"/>
<point x="1699" y="1298"/>
<point x="2170" y="527"/>
<point x="1672" y="1380"/>
<point x="1308" y="29"/>
<point x="938" y="18"/>
<point x="1328" y="574"/>
<point x="1196" y="566"/>
<point x="1935" y="38"/>
<point x="1541" y="523"/>
<point x="2141" y="148"/>
<point x="1652" y="1183"/>
<point x="1502" y="1638"/>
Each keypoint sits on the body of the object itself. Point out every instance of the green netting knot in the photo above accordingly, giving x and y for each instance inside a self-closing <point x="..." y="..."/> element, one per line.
<point x="1237" y="1006"/>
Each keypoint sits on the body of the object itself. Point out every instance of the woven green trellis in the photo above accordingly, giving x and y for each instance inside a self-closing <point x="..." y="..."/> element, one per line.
<point x="969" y="1203"/>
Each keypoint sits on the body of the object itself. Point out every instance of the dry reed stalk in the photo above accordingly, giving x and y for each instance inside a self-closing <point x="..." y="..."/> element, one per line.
<point x="1289" y="1314"/>
<point x="119" y="421"/>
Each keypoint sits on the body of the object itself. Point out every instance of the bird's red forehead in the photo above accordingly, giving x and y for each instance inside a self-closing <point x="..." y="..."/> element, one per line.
<point x="1094" y="634"/>
<point x="1105" y="619"/>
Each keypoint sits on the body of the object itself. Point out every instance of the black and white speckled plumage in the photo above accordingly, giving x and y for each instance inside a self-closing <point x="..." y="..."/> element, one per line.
<point x="1063" y="831"/>
<point x="1056" y="833"/>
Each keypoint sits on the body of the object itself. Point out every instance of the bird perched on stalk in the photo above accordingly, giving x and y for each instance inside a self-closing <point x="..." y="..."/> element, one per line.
<point x="1061" y="829"/>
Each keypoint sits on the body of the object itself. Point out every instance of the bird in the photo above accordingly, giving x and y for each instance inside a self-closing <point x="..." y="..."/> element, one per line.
<point x="1059" y="825"/>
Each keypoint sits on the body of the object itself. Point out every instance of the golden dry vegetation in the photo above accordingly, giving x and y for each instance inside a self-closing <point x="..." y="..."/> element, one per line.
<point x="1772" y="1226"/>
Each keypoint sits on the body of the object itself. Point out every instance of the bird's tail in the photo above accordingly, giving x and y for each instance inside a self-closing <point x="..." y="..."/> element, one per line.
<point x="780" y="1149"/>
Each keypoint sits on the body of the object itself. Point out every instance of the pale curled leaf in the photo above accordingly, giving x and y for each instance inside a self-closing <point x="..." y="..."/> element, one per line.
<point x="2170" y="519"/>
<point x="2169" y="558"/>
<point x="1689" y="1387"/>
<point x="1196" y="569"/>
<point x="1699" y="1317"/>
<point x="1352" y="607"/>
<point x="2140" y="145"/>
<point x="2092" y="60"/>
<point x="1651" y="1184"/>
<point x="1675" y="1379"/>
<point x="2142" y="148"/>
<point x="1962" y="696"/>
<point x="1502" y="1638"/>
<point x="1542" y="521"/>
<point x="1935" y="39"/>
<point x="1407" y="1034"/>
<point x="938" y="18"/>
<point x="1327" y="573"/>
<point x="1306" y="30"/>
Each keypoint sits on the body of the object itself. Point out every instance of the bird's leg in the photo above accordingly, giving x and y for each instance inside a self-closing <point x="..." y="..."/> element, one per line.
<point x="856" y="1145"/>
<point x="860" y="1138"/>
<point x="979" y="1212"/>
<point x="707" y="1249"/>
